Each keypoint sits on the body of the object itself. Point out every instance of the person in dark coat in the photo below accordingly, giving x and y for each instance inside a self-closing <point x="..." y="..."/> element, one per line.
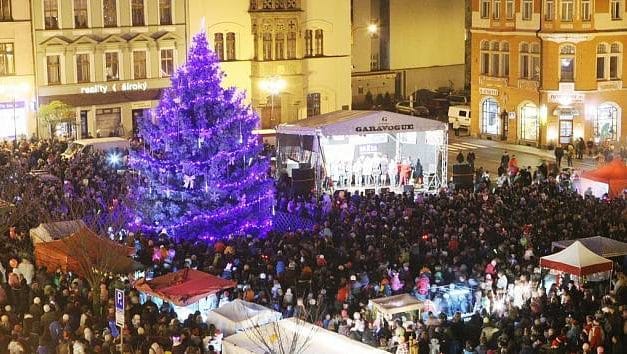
<point x="460" y="157"/>
<point x="418" y="171"/>
<point x="470" y="157"/>
<point x="559" y="154"/>
<point x="505" y="160"/>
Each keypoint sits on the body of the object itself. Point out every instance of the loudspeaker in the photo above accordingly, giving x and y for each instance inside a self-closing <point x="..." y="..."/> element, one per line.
<point x="462" y="169"/>
<point x="384" y="190"/>
<point x="370" y="191"/>
<point x="408" y="188"/>
<point x="302" y="188"/>
<point x="303" y="181"/>
<point x="304" y="165"/>
<point x="302" y="174"/>
<point x="462" y="181"/>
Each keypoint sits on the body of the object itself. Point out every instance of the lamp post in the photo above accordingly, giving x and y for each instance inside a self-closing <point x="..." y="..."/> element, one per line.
<point x="14" y="91"/>
<point x="273" y="86"/>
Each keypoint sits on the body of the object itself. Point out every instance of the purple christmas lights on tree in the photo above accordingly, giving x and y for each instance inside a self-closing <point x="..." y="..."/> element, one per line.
<point x="201" y="175"/>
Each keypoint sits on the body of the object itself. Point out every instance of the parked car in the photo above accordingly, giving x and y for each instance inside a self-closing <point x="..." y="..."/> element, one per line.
<point x="405" y="108"/>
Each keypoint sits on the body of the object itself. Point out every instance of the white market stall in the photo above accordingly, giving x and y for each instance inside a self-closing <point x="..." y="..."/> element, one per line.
<point x="287" y="332"/>
<point x="335" y="142"/>
<point x="239" y="315"/>
<point x="391" y="305"/>
<point x="579" y="261"/>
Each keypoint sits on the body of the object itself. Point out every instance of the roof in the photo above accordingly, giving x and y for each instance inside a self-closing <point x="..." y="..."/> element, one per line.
<point x="184" y="287"/>
<point x="397" y="304"/>
<point x="602" y="246"/>
<point x="613" y="170"/>
<point x="576" y="259"/>
<point x="99" y="140"/>
<point x="360" y="122"/>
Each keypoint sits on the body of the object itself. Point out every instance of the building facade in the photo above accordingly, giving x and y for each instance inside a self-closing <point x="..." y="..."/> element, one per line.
<point x="292" y="57"/>
<point x="548" y="72"/>
<point x="17" y="77"/>
<point x="109" y="59"/>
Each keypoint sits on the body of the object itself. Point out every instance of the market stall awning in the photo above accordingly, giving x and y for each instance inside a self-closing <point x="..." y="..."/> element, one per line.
<point x="576" y="259"/>
<point x="614" y="174"/>
<point x="391" y="305"/>
<point x="603" y="246"/>
<point x="360" y="122"/>
<point x="47" y="232"/>
<point x="184" y="287"/>
<point x="239" y="315"/>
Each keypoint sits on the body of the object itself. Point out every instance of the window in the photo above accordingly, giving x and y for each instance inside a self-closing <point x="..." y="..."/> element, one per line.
<point x="51" y="14"/>
<point x="139" y="65"/>
<point x="530" y="61"/>
<point x="137" y="12"/>
<point x="313" y="104"/>
<point x="608" y="61"/>
<point x="525" y="64"/>
<point x="110" y="13"/>
<point x="485" y="8"/>
<point x="567" y="63"/>
<point x="230" y="46"/>
<point x="112" y="66"/>
<point x="308" y="43"/>
<point x="82" y="68"/>
<point x="549" y="10"/>
<point x="504" y="59"/>
<point x="490" y="116"/>
<point x="279" y="46"/>
<point x="509" y="9"/>
<point x="291" y="45"/>
<point x="527" y="9"/>
<point x="586" y="10"/>
<point x="165" y="12"/>
<point x="606" y="122"/>
<point x="218" y="45"/>
<point x="267" y="46"/>
<point x="53" y="69"/>
<point x="616" y="9"/>
<point x="496" y="11"/>
<point x="167" y="62"/>
<point x="495" y="59"/>
<point x="7" y="59"/>
<point x="256" y="46"/>
<point x="535" y="61"/>
<point x="615" y="59"/>
<point x="319" y="42"/>
<point x="80" y="14"/>
<point x="529" y="122"/>
<point x="567" y="10"/>
<point x="5" y="10"/>
<point x="485" y="58"/>
<point x="601" y="55"/>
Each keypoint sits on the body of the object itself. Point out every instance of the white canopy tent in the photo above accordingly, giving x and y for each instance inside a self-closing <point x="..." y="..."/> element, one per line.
<point x="239" y="315"/>
<point x="312" y="339"/>
<point x="47" y="232"/>
<point x="577" y="260"/>
<point x="346" y="135"/>
<point x="391" y="305"/>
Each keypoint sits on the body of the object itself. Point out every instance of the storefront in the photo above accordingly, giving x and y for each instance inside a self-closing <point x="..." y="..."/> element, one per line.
<point x="490" y="117"/>
<point x="529" y="123"/>
<point x="13" y="119"/>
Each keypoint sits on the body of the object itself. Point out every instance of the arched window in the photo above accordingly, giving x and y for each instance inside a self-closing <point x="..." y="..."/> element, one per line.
<point x="529" y="122"/>
<point x="495" y="59"/>
<point x="606" y="122"/>
<point x="485" y="58"/>
<point x="567" y="63"/>
<point x="230" y="46"/>
<point x="279" y="44"/>
<point x="490" y="116"/>
<point x="218" y="45"/>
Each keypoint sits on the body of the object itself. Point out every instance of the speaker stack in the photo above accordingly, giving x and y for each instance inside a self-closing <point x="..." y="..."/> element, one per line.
<point x="303" y="180"/>
<point x="462" y="175"/>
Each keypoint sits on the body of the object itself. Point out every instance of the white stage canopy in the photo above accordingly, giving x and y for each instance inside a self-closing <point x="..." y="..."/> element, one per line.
<point x="239" y="315"/>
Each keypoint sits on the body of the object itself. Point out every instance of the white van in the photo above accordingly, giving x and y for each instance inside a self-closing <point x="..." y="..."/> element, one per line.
<point x="97" y="144"/>
<point x="461" y="114"/>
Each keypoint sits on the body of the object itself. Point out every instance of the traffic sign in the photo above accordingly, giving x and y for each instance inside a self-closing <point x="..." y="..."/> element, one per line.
<point x="119" y="307"/>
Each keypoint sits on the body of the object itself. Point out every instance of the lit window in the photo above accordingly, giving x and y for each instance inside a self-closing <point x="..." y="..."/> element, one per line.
<point x="606" y="122"/>
<point x="139" y="64"/>
<point x="509" y="9"/>
<point x="279" y="46"/>
<point x="496" y="11"/>
<point x="137" y="12"/>
<point x="549" y="10"/>
<point x="165" y="12"/>
<point x="80" y="14"/>
<point x="7" y="59"/>
<point x="319" y="42"/>
<point x="567" y="10"/>
<point x="167" y="62"/>
<point x="83" y="68"/>
<point x="53" y="69"/>
<point x="51" y="14"/>
<point x="586" y="10"/>
<point x="490" y="112"/>
<point x="112" y="66"/>
<point x="110" y="13"/>
<point x="616" y="9"/>
<point x="485" y="8"/>
<point x="567" y="63"/>
<point x="5" y="10"/>
<point x="527" y="9"/>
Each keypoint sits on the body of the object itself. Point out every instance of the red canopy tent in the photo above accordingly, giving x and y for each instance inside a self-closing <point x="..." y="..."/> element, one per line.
<point x="578" y="260"/>
<point x="613" y="174"/>
<point x="184" y="287"/>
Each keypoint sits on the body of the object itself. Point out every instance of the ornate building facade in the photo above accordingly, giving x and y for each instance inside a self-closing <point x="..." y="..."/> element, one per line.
<point x="547" y="72"/>
<point x="292" y="57"/>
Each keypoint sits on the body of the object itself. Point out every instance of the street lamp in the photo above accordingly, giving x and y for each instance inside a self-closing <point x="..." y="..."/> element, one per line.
<point x="272" y="85"/>
<point x="14" y="91"/>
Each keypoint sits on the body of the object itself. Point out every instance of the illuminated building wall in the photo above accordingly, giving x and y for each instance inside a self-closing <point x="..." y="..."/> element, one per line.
<point x="548" y="71"/>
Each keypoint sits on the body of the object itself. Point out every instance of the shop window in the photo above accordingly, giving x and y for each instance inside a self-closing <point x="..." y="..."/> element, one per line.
<point x="112" y="66"/>
<point x="549" y="10"/>
<point x="566" y="129"/>
<point x="567" y="63"/>
<point x="586" y="10"/>
<point x="53" y="69"/>
<point x="485" y="8"/>
<point x="496" y="10"/>
<point x="109" y="122"/>
<point x="5" y="10"/>
<point x="218" y="45"/>
<point x="308" y="43"/>
<point x="319" y="42"/>
<point x="616" y="9"/>
<point x="313" y="104"/>
<point x="51" y="14"/>
<point x="567" y="9"/>
<point x="167" y="62"/>
<point x="80" y="14"/>
<point x="490" y="117"/>
<point x="529" y="122"/>
<point x="137" y="13"/>
<point x="279" y="46"/>
<point x="83" y="68"/>
<point x="509" y="9"/>
<point x="7" y="59"/>
<point x="267" y="46"/>
<point x="139" y="65"/>
<point x="165" y="12"/>
<point x="110" y="13"/>
<point x="527" y="9"/>
<point x="230" y="46"/>
<point x="606" y="122"/>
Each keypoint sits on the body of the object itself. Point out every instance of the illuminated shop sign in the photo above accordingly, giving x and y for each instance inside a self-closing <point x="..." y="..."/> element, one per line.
<point x="566" y="98"/>
<point x="115" y="87"/>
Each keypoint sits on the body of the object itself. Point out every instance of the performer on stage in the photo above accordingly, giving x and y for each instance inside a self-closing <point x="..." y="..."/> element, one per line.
<point x="357" y="172"/>
<point x="392" y="170"/>
<point x="366" y="170"/>
<point x="405" y="171"/>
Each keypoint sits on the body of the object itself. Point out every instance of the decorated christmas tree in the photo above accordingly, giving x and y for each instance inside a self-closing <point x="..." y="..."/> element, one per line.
<point x="201" y="174"/>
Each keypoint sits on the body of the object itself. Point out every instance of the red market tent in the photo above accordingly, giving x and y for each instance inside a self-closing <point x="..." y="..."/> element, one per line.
<point x="84" y="250"/>
<point x="184" y="287"/>
<point x="578" y="260"/>
<point x="614" y="175"/>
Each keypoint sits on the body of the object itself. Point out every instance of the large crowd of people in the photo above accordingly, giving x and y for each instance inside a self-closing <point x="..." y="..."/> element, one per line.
<point x="486" y="241"/>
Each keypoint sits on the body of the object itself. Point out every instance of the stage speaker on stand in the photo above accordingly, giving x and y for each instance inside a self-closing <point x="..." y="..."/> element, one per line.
<point x="303" y="181"/>
<point x="462" y="175"/>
